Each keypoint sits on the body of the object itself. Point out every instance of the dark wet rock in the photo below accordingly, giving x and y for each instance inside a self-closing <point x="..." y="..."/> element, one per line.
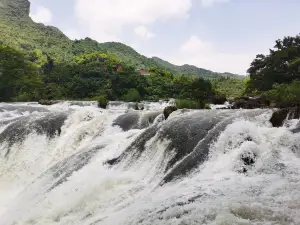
<point x="238" y="104"/>
<point x="50" y="125"/>
<point x="137" y="147"/>
<point x="230" y="100"/>
<point x="187" y="140"/>
<point x="218" y="122"/>
<point x="222" y="108"/>
<point x="62" y="170"/>
<point x="279" y="116"/>
<point x="219" y="100"/>
<point x="127" y="121"/>
<point x="168" y="110"/>
<point x="296" y="130"/>
<point x="136" y="120"/>
<point x="248" y="159"/>
<point x="183" y="133"/>
<point x="47" y="102"/>
<point x="250" y="103"/>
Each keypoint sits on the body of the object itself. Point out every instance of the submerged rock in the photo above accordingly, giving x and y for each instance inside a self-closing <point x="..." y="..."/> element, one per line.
<point x="47" y="102"/>
<point x="248" y="159"/>
<point x="168" y="110"/>
<point x="281" y="115"/>
<point x="136" y="120"/>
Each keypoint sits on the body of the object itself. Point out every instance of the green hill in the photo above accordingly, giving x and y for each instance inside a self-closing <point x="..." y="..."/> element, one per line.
<point x="193" y="70"/>
<point x="18" y="30"/>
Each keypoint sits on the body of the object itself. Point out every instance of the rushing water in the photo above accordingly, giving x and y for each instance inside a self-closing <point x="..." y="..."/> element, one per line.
<point x="75" y="164"/>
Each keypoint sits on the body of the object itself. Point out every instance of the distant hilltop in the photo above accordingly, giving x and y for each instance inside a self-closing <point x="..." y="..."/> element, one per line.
<point x="18" y="30"/>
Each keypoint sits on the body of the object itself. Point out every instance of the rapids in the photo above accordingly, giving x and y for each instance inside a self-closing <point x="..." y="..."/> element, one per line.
<point x="75" y="164"/>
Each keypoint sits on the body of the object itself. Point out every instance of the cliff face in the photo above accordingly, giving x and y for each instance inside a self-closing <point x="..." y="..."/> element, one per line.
<point x="14" y="9"/>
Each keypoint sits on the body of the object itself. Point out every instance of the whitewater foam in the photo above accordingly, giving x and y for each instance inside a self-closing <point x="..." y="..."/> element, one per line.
<point x="65" y="178"/>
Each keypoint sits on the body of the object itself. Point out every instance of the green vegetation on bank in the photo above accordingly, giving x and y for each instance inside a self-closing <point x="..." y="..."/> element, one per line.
<point x="276" y="75"/>
<point x="19" y="78"/>
<point x="284" y="94"/>
<point x="97" y="75"/>
<point x="229" y="87"/>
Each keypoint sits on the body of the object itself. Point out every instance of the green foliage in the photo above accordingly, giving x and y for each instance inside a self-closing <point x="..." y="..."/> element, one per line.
<point x="281" y="66"/>
<point x="17" y="75"/>
<point x="288" y="94"/>
<point x="132" y="95"/>
<point x="163" y="84"/>
<point x="229" y="87"/>
<point x="190" y="104"/>
<point x="102" y="101"/>
<point x="23" y="97"/>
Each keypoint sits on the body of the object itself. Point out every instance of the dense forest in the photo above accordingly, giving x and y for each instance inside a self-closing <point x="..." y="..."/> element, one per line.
<point x="40" y="62"/>
<point x="88" y="76"/>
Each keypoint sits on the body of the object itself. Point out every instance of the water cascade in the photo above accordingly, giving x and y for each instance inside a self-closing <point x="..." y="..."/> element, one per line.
<point x="73" y="163"/>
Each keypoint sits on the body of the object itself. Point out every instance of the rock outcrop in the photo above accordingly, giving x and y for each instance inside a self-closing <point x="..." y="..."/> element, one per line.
<point x="279" y="116"/>
<point x="15" y="8"/>
<point x="219" y="100"/>
<point x="250" y="103"/>
<point x="168" y="110"/>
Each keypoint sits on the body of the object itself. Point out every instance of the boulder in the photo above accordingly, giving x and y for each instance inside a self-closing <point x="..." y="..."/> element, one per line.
<point x="238" y="104"/>
<point x="230" y="100"/>
<point x="219" y="100"/>
<point x="47" y="102"/>
<point x="280" y="115"/>
<point x="250" y="103"/>
<point x="168" y="110"/>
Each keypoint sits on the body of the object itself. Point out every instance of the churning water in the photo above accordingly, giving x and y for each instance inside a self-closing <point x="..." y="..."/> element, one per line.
<point x="75" y="164"/>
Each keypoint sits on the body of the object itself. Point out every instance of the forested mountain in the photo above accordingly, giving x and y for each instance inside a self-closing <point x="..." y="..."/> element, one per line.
<point x="193" y="70"/>
<point x="20" y="32"/>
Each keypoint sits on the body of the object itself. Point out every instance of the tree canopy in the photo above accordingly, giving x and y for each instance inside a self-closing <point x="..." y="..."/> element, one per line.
<point x="280" y="66"/>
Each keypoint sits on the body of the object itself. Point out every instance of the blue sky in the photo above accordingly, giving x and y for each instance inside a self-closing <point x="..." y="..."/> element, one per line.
<point x="220" y="35"/>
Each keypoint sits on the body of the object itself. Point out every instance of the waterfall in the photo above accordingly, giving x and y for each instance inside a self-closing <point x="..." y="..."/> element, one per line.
<point x="73" y="163"/>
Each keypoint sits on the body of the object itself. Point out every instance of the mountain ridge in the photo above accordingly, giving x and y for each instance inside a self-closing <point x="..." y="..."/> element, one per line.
<point x="21" y="32"/>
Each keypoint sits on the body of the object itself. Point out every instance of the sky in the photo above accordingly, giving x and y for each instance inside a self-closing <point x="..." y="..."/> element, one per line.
<point x="219" y="35"/>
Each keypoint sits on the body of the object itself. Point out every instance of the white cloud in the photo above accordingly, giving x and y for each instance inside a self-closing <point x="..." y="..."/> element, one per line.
<point x="72" y="34"/>
<point x="209" y="3"/>
<point x="106" y="19"/>
<point x="203" y="54"/>
<point x="41" y="15"/>
<point x="143" y="32"/>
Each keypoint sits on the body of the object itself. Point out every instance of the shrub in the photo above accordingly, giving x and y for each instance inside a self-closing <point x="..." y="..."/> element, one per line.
<point x="23" y="97"/>
<point x="189" y="104"/>
<point x="102" y="101"/>
<point x="284" y="94"/>
<point x="132" y="95"/>
<point x="207" y="106"/>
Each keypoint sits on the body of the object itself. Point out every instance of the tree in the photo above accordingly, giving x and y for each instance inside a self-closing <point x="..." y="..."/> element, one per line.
<point x="281" y="66"/>
<point x="132" y="95"/>
<point x="17" y="75"/>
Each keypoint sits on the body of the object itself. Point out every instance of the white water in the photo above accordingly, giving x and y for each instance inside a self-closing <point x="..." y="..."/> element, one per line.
<point x="215" y="193"/>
